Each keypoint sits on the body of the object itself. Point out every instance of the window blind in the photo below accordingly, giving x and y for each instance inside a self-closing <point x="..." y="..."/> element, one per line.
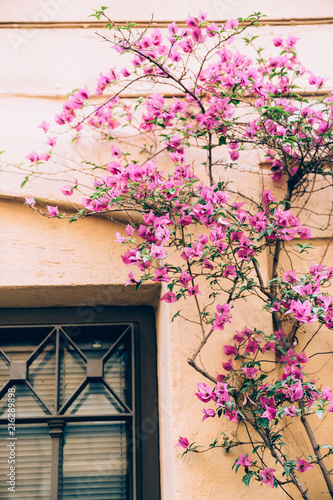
<point x="95" y="462"/>
<point x="33" y="463"/>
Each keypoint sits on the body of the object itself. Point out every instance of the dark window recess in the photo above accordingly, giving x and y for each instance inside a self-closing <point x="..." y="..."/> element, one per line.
<point x="86" y="404"/>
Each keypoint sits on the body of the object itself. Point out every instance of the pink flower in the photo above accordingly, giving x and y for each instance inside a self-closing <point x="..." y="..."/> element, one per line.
<point x="182" y="441"/>
<point x="197" y="36"/>
<point x="291" y="41"/>
<point x="312" y="80"/>
<point x="194" y="290"/>
<point x="220" y="378"/>
<point x="228" y="366"/>
<point x="244" y="460"/>
<point x="304" y="290"/>
<point x="223" y="308"/>
<point x="44" y="125"/>
<point x="279" y="334"/>
<point x="33" y="156"/>
<point x="157" y="251"/>
<point x="270" y="413"/>
<point x="327" y="394"/>
<point x="277" y="41"/>
<point x="169" y="297"/>
<point x="303" y="465"/>
<point x="212" y="30"/>
<point x="304" y="233"/>
<point x="229" y="272"/>
<point x="269" y="346"/>
<point x="125" y="72"/>
<point x="316" y="269"/>
<point x="232" y="415"/>
<point x="220" y="321"/>
<point x="30" y="202"/>
<point x="173" y="28"/>
<point x="231" y="24"/>
<point x="302" y="311"/>
<point x="203" y="16"/>
<point x="234" y="155"/>
<point x="192" y="22"/>
<point x="267" y="197"/>
<point x="129" y="230"/>
<point x="205" y="393"/>
<point x="296" y="391"/>
<point x="51" y="141"/>
<point x="185" y="278"/>
<point x="290" y="411"/>
<point x="185" y="221"/>
<point x="115" y="152"/>
<point x="207" y="264"/>
<point x="221" y="391"/>
<point x="230" y="350"/>
<point x="53" y="211"/>
<point x="131" y="280"/>
<point x="268" y="476"/>
<point x="162" y="275"/>
<point x="208" y="413"/>
<point x="114" y="167"/>
<point x="251" y="347"/>
<point x="250" y="372"/>
<point x="175" y="56"/>
<point x="120" y="238"/>
<point x="302" y="358"/>
<point x="156" y="37"/>
<point x="187" y="46"/>
<point x="67" y="190"/>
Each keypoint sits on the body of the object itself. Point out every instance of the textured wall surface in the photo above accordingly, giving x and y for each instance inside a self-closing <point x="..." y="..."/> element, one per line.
<point x="47" y="49"/>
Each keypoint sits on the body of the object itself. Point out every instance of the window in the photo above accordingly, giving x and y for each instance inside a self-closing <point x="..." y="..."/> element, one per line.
<point x="86" y="403"/>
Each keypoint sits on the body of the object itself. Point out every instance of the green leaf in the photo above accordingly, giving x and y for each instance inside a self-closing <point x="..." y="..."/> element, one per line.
<point x="304" y="247"/>
<point x="320" y="412"/>
<point x="289" y="467"/>
<point x="232" y="468"/>
<point x="263" y="422"/>
<point x="24" y="181"/>
<point x="137" y="286"/>
<point x="222" y="140"/>
<point x="175" y="315"/>
<point x="247" y="478"/>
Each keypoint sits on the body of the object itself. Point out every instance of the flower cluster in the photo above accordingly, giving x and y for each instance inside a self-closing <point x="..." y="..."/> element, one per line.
<point x="190" y="235"/>
<point x="303" y="297"/>
<point x="265" y="404"/>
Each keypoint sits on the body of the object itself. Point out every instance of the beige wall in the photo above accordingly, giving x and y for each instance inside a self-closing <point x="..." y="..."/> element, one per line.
<point x="49" y="263"/>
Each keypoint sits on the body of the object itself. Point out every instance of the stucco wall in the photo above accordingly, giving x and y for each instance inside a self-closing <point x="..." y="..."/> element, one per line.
<point x="49" y="263"/>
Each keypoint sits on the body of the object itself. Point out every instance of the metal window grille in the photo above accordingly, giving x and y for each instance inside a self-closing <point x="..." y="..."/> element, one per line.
<point x="81" y="421"/>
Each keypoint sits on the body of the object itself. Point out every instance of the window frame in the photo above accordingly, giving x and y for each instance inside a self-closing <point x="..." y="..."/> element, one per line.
<point x="146" y="470"/>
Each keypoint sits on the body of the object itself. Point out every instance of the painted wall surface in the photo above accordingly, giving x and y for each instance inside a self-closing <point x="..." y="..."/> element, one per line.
<point x="51" y="263"/>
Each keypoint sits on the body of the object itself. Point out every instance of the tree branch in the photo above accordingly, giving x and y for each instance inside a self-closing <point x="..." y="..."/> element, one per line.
<point x="316" y="449"/>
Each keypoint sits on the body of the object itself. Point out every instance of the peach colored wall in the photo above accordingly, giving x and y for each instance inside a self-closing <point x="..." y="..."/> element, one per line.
<point x="49" y="263"/>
